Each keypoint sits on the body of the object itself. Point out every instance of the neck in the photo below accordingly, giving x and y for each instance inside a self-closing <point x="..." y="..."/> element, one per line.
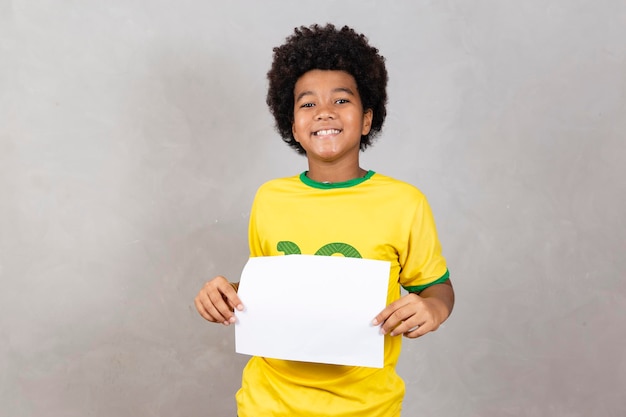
<point x="332" y="173"/>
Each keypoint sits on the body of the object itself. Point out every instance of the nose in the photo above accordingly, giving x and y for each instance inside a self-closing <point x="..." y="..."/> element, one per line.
<point x="324" y="112"/>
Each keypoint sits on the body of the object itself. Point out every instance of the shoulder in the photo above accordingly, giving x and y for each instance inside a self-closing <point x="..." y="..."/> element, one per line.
<point x="278" y="185"/>
<point x="395" y="187"/>
<point x="280" y="182"/>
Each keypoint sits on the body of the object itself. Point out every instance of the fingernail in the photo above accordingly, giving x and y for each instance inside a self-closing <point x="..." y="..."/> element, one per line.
<point x="375" y="322"/>
<point x="232" y="320"/>
<point x="240" y="307"/>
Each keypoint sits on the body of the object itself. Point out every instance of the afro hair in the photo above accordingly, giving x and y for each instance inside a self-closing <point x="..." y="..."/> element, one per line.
<point x="326" y="48"/>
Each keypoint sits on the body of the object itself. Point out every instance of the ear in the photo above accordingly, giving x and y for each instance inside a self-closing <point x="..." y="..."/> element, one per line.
<point x="368" y="115"/>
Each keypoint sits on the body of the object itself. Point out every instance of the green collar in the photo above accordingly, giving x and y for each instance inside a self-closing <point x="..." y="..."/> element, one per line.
<point x="331" y="185"/>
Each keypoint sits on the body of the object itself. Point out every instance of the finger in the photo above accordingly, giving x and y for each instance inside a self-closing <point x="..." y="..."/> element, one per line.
<point x="204" y="312"/>
<point x="395" y="323"/>
<point x="384" y="315"/>
<point x="217" y="315"/>
<point x="418" y="331"/>
<point x="405" y="318"/>
<point x="407" y="326"/>
<point x="205" y="305"/>
<point x="219" y="308"/>
<point x="381" y="317"/>
<point x="414" y="333"/>
<point x="232" y="298"/>
<point x="201" y="309"/>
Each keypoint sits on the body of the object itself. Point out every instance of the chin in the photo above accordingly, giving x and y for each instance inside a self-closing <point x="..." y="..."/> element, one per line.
<point x="327" y="156"/>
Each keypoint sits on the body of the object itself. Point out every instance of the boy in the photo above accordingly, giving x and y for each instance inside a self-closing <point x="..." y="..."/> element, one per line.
<point x="327" y="93"/>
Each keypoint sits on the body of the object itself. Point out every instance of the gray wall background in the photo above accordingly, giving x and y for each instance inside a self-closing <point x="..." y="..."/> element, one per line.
<point x="133" y="135"/>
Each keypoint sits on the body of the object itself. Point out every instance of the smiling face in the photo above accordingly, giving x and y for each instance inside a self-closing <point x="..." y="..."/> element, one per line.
<point x="329" y="118"/>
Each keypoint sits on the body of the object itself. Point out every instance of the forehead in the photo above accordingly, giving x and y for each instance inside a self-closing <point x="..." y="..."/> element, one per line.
<point x="317" y="81"/>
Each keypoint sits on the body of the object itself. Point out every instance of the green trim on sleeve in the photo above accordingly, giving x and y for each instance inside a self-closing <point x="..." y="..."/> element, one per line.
<point x="419" y="288"/>
<point x="330" y="185"/>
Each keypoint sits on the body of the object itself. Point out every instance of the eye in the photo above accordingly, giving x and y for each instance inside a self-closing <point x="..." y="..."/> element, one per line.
<point x="307" y="105"/>
<point x="342" y="101"/>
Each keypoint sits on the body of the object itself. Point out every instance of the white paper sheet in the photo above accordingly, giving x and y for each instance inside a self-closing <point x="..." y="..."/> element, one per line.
<point x="312" y="309"/>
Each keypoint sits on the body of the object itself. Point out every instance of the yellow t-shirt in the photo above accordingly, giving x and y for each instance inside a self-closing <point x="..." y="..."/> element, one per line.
<point x="374" y="217"/>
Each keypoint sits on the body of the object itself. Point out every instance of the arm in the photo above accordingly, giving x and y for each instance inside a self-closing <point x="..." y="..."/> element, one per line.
<point x="217" y="300"/>
<point x="416" y="314"/>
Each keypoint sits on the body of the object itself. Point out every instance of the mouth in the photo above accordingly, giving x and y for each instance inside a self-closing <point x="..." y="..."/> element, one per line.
<point x="327" y="132"/>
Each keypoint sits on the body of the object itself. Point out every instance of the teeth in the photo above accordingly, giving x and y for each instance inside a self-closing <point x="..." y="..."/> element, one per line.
<point x="327" y="132"/>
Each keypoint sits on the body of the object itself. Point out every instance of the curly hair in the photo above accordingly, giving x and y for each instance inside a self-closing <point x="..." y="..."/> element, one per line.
<point x="326" y="48"/>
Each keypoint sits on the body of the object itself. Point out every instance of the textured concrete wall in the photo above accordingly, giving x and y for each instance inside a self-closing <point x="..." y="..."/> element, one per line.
<point x="133" y="135"/>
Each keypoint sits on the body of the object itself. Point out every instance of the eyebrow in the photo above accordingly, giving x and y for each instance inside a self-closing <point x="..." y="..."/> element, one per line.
<point x="335" y="90"/>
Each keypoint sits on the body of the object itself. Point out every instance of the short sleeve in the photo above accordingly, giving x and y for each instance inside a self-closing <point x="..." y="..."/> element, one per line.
<point x="254" y="240"/>
<point x="423" y="264"/>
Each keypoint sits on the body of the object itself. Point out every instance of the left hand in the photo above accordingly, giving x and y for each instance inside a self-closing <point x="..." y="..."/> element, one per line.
<point x="412" y="315"/>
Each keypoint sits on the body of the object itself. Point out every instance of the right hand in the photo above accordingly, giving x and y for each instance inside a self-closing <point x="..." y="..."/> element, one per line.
<point x="217" y="300"/>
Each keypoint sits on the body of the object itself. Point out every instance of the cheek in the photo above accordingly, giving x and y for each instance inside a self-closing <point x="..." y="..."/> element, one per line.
<point x="296" y="130"/>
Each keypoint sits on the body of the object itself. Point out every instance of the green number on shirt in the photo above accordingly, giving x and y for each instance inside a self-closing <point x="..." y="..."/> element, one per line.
<point x="290" y="248"/>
